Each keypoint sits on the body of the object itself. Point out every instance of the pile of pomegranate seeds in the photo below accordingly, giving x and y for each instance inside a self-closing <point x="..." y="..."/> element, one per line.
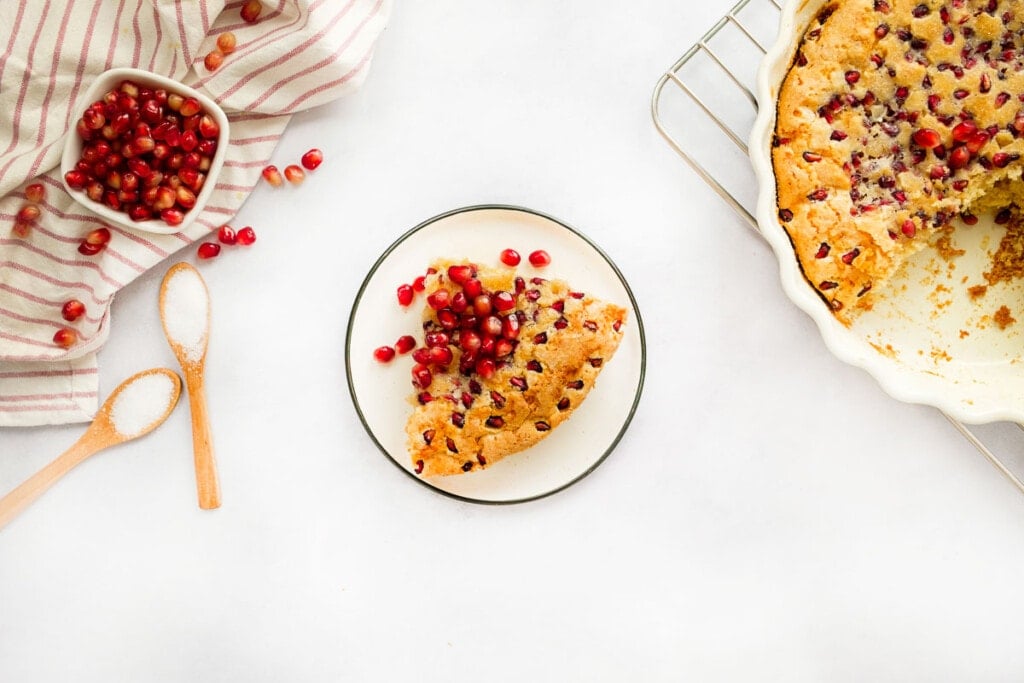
<point x="29" y="211"/>
<point x="293" y="173"/>
<point x="483" y="325"/>
<point x="145" y="152"/>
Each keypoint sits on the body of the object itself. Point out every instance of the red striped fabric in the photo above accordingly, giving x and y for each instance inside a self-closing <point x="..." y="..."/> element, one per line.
<point x="320" y="50"/>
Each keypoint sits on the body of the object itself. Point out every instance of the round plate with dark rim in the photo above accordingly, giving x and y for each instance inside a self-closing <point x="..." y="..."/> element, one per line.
<point x="380" y="392"/>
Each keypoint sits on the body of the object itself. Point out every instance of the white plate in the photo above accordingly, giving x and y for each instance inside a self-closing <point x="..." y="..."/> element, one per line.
<point x="922" y="344"/>
<point x="479" y="233"/>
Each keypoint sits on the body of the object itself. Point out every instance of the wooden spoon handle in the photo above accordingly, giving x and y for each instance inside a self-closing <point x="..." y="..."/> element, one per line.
<point x="33" y="487"/>
<point x="207" y="484"/>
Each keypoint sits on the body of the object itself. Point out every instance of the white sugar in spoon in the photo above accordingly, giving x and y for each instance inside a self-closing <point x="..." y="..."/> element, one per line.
<point x="135" y="408"/>
<point x="185" y="313"/>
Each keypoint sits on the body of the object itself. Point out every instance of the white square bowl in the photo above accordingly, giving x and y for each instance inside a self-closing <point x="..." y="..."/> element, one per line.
<point x="110" y="80"/>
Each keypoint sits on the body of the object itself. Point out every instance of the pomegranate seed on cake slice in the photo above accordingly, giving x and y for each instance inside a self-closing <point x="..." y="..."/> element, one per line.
<point x="926" y="137"/>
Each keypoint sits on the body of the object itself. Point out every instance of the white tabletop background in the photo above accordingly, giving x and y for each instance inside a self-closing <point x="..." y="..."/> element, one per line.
<point x="769" y="515"/>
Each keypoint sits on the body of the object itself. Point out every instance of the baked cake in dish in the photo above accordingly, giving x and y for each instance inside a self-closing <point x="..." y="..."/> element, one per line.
<point x="896" y="121"/>
<point x="505" y="361"/>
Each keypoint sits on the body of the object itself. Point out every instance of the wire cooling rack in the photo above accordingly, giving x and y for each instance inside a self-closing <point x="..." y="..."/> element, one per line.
<point x="704" y="106"/>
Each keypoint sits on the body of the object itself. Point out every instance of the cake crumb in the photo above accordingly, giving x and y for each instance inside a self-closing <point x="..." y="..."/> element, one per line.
<point x="977" y="291"/>
<point x="1008" y="261"/>
<point x="1003" y="318"/>
<point x="964" y="334"/>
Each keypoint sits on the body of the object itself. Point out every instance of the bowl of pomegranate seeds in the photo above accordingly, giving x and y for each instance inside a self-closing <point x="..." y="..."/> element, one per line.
<point x="145" y="151"/>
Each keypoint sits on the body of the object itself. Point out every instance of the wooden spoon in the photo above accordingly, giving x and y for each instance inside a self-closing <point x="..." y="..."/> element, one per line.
<point x="185" y="313"/>
<point x="135" y="408"/>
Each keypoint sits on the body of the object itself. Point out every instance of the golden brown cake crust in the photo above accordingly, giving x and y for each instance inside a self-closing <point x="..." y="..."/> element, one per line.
<point x="470" y="422"/>
<point x="895" y="118"/>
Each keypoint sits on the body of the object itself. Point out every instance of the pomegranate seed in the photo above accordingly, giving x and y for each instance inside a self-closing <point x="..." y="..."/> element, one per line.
<point x="959" y="157"/>
<point x="439" y="355"/>
<point x="272" y="176"/>
<point x="27" y="213"/>
<point x="139" y="213"/>
<point x="908" y="228"/>
<point x="926" y="137"/>
<point x="65" y="337"/>
<point x="852" y="77"/>
<point x="72" y="310"/>
<point x="963" y="131"/>
<point x="422" y="376"/>
<point x="226" y="235"/>
<point x="251" y="11"/>
<point x="294" y="174"/>
<point x="226" y="42"/>
<point x="213" y="60"/>
<point x="460" y="274"/>
<point x="473" y="288"/>
<point x="459" y="302"/>
<point x="420" y="283"/>
<point x="98" y="237"/>
<point x="405" y="344"/>
<point x="75" y="179"/>
<point x="87" y="249"/>
<point x="482" y="305"/>
<point x="510" y="327"/>
<point x="246" y="236"/>
<point x="539" y="258"/>
<point x="384" y="354"/>
<point x="35" y="192"/>
<point x="190" y="107"/>
<point x="312" y="159"/>
<point x="208" y="250"/>
<point x="172" y="216"/>
<point x="510" y="257"/>
<point x="405" y="295"/>
<point x="969" y="219"/>
<point x="439" y="299"/>
<point x="21" y="229"/>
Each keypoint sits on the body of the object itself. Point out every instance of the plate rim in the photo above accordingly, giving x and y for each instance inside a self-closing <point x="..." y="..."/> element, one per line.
<point x="492" y="207"/>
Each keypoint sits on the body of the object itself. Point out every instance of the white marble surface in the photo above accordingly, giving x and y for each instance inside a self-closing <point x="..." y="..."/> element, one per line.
<point x="770" y="515"/>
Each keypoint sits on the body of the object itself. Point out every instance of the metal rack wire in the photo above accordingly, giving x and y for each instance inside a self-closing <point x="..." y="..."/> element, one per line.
<point x="704" y="106"/>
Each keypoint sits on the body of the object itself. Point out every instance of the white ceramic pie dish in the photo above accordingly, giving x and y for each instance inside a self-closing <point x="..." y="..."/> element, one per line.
<point x="925" y="341"/>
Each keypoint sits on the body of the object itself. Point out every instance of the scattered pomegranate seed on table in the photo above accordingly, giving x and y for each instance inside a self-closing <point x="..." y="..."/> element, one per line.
<point x="246" y="236"/>
<point x="94" y="242"/>
<point x="312" y="159"/>
<point x="226" y="42"/>
<point x="272" y="176"/>
<point x="28" y="213"/>
<point x="540" y="258"/>
<point x="226" y="235"/>
<point x="294" y="174"/>
<point x="208" y="250"/>
<point x="251" y="11"/>
<point x="65" y="337"/>
<point x="72" y="310"/>
<point x="384" y="354"/>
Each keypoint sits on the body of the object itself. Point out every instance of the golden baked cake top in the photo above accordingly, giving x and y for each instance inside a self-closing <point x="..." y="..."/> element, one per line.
<point x="896" y="121"/>
<point x="496" y="377"/>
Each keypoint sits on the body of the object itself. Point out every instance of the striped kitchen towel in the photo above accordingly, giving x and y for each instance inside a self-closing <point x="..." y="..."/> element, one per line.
<point x="300" y="53"/>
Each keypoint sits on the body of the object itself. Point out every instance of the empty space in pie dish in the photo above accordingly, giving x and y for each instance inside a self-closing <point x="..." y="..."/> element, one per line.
<point x="381" y="392"/>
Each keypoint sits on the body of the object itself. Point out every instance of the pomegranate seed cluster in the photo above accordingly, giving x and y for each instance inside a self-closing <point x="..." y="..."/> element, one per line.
<point x="293" y="173"/>
<point x="502" y="360"/>
<point x="145" y="152"/>
<point x="894" y="120"/>
<point x="29" y="212"/>
<point x="228" y="236"/>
